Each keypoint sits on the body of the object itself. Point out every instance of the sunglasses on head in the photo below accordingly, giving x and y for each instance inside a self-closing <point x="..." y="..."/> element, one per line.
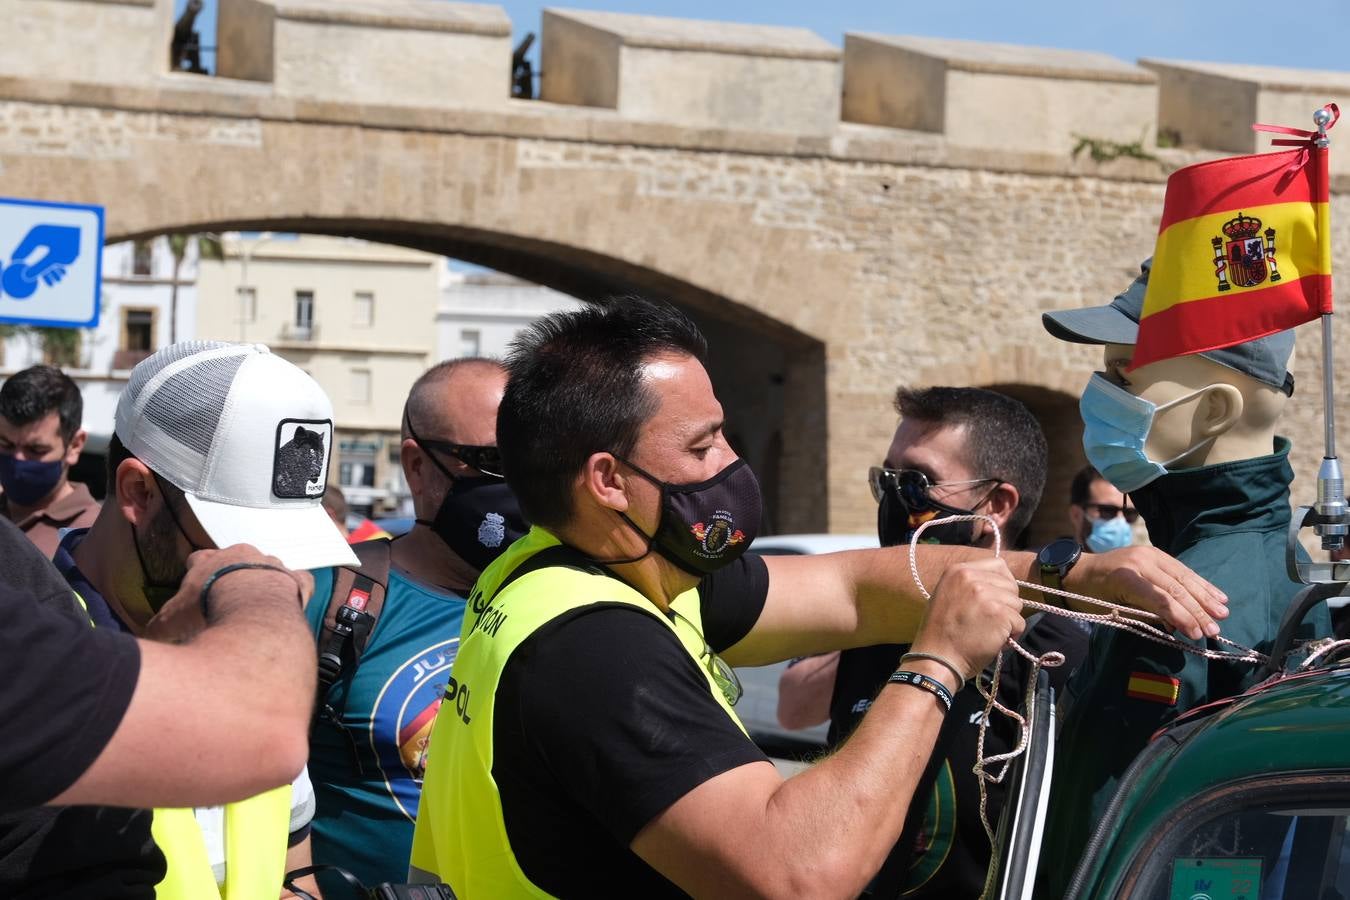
<point x="913" y="485"/>
<point x="1110" y="511"/>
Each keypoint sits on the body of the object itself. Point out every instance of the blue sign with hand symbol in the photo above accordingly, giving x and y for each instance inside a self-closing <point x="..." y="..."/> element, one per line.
<point x="51" y="263"/>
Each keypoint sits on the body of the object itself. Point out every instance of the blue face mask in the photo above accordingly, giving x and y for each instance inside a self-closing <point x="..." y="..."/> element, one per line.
<point x="1109" y="534"/>
<point x="1116" y="424"/>
<point x="26" y="481"/>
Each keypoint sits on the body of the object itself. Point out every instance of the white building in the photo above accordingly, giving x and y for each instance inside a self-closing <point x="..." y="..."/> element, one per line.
<point x="136" y="318"/>
<point x="481" y="312"/>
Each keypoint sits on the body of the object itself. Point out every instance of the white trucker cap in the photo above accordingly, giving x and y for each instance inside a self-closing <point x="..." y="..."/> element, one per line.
<point x="247" y="437"/>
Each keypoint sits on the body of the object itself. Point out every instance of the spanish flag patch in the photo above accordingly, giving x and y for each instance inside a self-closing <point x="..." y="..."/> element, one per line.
<point x="1154" y="688"/>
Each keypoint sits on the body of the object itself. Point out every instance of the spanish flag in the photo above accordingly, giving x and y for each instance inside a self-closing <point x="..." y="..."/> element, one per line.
<point x="1243" y="251"/>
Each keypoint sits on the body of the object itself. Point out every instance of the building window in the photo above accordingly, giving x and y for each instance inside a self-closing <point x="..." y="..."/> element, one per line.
<point x="470" y="342"/>
<point x="360" y="386"/>
<point x="363" y="309"/>
<point x="248" y="304"/>
<point x="142" y="258"/>
<point x="138" y="329"/>
<point x="137" y="340"/>
<point x="304" y="311"/>
<point x="356" y="474"/>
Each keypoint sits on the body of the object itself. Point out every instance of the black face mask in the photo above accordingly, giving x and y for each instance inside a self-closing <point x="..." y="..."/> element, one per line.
<point x="479" y="517"/>
<point x="897" y="521"/>
<point x="159" y="587"/>
<point x="706" y="525"/>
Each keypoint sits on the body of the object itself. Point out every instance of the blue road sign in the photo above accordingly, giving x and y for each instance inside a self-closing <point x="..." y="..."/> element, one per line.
<point x="51" y="263"/>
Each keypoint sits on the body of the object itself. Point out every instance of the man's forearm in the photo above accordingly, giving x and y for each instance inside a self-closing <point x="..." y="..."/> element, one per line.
<point x="857" y="800"/>
<point x="221" y="717"/>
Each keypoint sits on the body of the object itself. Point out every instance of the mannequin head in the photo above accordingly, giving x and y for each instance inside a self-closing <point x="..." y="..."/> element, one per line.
<point x="1218" y="414"/>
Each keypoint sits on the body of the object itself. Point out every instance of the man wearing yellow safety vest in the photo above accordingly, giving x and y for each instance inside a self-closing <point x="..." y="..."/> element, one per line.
<point x="215" y="444"/>
<point x="587" y="744"/>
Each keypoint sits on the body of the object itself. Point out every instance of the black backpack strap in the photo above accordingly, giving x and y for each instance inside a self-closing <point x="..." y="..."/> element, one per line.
<point x="353" y="609"/>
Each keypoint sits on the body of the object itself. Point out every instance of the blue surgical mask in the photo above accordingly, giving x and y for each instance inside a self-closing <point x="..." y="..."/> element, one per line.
<point x="1116" y="424"/>
<point x="1109" y="534"/>
<point x="26" y="481"/>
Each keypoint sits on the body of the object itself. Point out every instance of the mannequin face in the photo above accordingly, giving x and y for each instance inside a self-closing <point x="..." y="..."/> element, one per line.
<point x="1208" y="403"/>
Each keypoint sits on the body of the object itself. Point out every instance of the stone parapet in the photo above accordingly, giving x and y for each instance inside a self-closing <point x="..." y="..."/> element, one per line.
<point x="399" y="52"/>
<point x="1027" y="99"/>
<point x="692" y="72"/>
<point x="1213" y="105"/>
<point x="72" y="39"/>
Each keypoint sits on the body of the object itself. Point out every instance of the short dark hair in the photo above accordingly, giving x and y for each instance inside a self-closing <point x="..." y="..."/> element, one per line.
<point x="38" y="391"/>
<point x="1003" y="441"/>
<point x="576" y="388"/>
<point x="118" y="454"/>
<point x="1081" y="487"/>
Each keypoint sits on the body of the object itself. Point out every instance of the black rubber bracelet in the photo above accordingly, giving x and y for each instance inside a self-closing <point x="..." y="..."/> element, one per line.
<point x="204" y="598"/>
<point x="924" y="683"/>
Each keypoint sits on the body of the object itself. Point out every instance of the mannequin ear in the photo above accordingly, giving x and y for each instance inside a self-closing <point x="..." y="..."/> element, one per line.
<point x="1220" y="410"/>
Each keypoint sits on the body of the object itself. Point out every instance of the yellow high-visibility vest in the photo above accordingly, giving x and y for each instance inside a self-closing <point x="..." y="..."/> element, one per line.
<point x="460" y="836"/>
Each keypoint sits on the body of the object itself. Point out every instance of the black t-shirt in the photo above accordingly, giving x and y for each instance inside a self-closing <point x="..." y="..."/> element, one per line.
<point x="601" y="722"/>
<point x="950" y="859"/>
<point x="67" y="686"/>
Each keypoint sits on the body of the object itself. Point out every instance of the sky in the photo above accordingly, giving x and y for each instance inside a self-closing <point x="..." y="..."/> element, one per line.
<point x="1309" y="34"/>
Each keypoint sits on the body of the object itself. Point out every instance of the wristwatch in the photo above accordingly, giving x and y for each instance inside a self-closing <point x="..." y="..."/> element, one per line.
<point x="1056" y="559"/>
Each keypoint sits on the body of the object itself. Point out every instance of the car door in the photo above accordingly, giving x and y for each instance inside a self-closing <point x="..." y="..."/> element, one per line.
<point x="1017" y="846"/>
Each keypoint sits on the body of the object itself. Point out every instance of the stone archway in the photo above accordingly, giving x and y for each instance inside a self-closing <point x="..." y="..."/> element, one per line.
<point x="769" y="377"/>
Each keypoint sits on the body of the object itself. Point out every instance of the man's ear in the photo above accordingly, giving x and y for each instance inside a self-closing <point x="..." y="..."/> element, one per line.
<point x="1076" y="516"/>
<point x="602" y="480"/>
<point x="413" y="460"/>
<point x="1220" y="410"/>
<point x="76" y="447"/>
<point x="1002" y="503"/>
<point x="136" y="492"/>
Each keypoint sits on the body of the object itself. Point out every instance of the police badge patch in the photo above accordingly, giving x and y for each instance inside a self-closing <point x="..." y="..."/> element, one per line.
<point x="492" y="530"/>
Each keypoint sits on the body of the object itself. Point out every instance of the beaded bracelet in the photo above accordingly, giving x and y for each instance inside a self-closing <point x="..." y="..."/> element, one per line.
<point x="204" y="598"/>
<point x="924" y="683"/>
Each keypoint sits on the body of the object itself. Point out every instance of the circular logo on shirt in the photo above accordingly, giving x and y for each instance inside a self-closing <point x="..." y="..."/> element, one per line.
<point x="402" y="718"/>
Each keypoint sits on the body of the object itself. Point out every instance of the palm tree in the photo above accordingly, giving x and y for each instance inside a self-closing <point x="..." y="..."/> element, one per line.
<point x="208" y="247"/>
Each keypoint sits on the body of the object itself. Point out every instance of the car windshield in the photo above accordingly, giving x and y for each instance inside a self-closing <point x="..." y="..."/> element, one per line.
<point x="1263" y="850"/>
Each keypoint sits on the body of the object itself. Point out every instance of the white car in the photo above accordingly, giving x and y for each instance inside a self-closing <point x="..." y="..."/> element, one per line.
<point x="758" y="707"/>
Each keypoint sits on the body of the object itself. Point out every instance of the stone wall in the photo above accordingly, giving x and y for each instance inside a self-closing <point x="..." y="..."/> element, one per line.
<point x="830" y="266"/>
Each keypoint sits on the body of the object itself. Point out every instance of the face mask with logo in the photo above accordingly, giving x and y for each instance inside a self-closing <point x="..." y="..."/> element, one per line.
<point x="26" y="481"/>
<point x="706" y="525"/>
<point x="1116" y="426"/>
<point x="478" y="519"/>
<point x="1109" y="534"/>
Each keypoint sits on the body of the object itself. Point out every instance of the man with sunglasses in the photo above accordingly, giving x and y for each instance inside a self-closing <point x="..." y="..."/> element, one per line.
<point x="369" y="741"/>
<point x="1100" y="513"/>
<point x="594" y="748"/>
<point x="956" y="451"/>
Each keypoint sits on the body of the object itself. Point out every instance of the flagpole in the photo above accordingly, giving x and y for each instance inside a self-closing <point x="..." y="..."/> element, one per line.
<point x="1331" y="503"/>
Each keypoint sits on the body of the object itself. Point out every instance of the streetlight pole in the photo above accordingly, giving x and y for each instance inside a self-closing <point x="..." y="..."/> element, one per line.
<point x="245" y="290"/>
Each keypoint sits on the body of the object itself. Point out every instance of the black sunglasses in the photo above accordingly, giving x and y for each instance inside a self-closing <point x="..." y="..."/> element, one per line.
<point x="1110" y="511"/>
<point x="487" y="460"/>
<point x="913" y="485"/>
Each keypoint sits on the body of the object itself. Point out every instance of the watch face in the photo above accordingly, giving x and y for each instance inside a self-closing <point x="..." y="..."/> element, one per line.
<point x="1059" y="553"/>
